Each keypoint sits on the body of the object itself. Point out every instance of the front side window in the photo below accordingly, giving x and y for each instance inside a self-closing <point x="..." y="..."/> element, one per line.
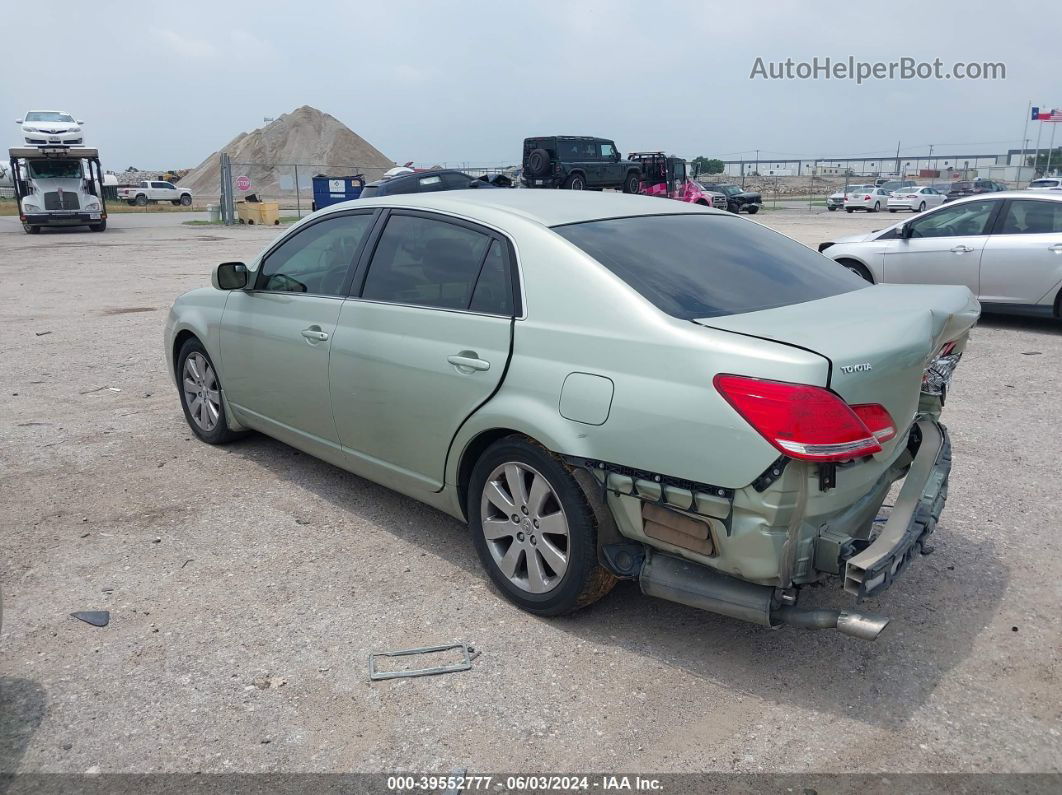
<point x="701" y="266"/>
<point x="966" y="219"/>
<point x="426" y="262"/>
<point x="1032" y="218"/>
<point x="316" y="259"/>
<point x="607" y="151"/>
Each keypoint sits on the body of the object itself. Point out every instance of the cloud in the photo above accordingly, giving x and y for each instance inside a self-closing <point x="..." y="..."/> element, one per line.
<point x="185" y="46"/>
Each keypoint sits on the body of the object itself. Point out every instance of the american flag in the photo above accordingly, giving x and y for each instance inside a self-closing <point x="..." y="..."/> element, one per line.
<point x="1055" y="114"/>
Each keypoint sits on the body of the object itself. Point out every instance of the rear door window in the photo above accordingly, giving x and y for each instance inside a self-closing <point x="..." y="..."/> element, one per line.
<point x="423" y="261"/>
<point x="700" y="266"/>
<point x="1025" y="217"/>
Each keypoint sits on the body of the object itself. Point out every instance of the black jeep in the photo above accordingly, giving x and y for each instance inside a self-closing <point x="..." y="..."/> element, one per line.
<point x="577" y="162"/>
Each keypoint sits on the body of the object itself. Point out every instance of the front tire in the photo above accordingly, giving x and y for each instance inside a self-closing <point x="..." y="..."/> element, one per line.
<point x="857" y="268"/>
<point x="831" y="208"/>
<point x="200" y="390"/>
<point x="186" y="200"/>
<point x="31" y="229"/>
<point x="753" y="209"/>
<point x="100" y="227"/>
<point x="632" y="183"/>
<point x="533" y="529"/>
<point x="575" y="182"/>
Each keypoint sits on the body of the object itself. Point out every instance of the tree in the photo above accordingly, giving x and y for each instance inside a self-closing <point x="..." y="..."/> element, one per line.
<point x="1041" y="161"/>
<point x="706" y="165"/>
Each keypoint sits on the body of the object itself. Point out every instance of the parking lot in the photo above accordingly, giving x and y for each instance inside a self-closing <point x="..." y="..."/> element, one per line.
<point x="247" y="584"/>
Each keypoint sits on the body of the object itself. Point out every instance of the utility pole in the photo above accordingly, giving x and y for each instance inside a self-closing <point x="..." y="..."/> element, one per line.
<point x="756" y="170"/>
<point x="929" y="160"/>
<point x="1050" y="149"/>
<point x="1025" y="141"/>
<point x="898" y="174"/>
<point x="1036" y="156"/>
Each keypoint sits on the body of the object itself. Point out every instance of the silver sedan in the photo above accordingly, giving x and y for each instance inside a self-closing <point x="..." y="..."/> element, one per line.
<point x="1006" y="247"/>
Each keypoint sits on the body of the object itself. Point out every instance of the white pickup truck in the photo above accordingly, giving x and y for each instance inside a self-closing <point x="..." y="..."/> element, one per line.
<point x="155" y="191"/>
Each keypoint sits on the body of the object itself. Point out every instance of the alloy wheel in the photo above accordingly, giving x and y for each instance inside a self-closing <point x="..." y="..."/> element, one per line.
<point x="201" y="393"/>
<point x="525" y="527"/>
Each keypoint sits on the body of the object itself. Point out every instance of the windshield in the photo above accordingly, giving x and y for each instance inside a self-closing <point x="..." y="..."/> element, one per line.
<point x="43" y="115"/>
<point x="1044" y="183"/>
<point x="369" y="191"/>
<point x="731" y="190"/>
<point x="698" y="266"/>
<point x="860" y="188"/>
<point x="55" y="169"/>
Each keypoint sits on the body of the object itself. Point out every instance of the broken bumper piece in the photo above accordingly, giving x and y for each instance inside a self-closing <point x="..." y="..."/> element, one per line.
<point x="913" y="517"/>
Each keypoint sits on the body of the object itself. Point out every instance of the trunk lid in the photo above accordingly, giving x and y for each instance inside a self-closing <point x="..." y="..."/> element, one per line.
<point x="878" y="340"/>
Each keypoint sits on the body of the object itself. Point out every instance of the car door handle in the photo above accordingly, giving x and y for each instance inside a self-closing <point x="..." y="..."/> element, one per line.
<point x="1057" y="248"/>
<point x="467" y="361"/>
<point x="962" y="248"/>
<point x="314" y="334"/>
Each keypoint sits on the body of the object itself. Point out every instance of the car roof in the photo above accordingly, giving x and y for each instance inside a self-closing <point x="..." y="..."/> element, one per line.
<point x="545" y="207"/>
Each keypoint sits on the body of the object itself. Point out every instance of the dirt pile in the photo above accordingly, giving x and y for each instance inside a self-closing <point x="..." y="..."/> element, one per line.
<point x="314" y="141"/>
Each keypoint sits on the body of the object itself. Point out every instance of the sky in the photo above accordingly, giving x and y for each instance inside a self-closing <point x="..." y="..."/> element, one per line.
<point x="163" y="85"/>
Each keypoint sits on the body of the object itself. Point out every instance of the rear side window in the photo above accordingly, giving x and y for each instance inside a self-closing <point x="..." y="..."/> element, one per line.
<point x="424" y="262"/>
<point x="1026" y="217"/>
<point x="700" y="266"/>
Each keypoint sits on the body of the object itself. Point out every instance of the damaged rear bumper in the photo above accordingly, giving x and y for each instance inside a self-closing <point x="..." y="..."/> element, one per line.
<point x="913" y="518"/>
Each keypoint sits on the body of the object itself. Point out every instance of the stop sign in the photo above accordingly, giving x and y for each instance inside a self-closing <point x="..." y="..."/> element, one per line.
<point x="243" y="183"/>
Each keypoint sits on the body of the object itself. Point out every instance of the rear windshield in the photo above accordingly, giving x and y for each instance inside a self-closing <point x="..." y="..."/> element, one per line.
<point x="698" y="266"/>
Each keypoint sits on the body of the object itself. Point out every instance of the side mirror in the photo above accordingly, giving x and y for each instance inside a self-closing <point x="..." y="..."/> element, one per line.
<point x="18" y="121"/>
<point x="905" y="232"/>
<point x="230" y="276"/>
<point x="615" y="157"/>
<point x="79" y="121"/>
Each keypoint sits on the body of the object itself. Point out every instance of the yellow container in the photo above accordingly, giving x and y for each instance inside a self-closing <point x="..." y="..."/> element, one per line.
<point x="267" y="213"/>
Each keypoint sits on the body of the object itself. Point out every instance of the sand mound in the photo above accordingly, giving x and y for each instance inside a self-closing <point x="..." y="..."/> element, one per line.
<point x="317" y="142"/>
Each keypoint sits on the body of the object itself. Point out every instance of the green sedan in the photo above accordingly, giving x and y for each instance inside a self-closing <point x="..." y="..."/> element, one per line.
<point x="602" y="386"/>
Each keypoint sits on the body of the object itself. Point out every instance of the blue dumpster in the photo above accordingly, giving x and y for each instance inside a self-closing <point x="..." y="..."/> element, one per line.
<point x="332" y="190"/>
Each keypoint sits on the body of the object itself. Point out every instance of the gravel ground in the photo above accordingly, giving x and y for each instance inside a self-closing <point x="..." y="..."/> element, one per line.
<point x="247" y="584"/>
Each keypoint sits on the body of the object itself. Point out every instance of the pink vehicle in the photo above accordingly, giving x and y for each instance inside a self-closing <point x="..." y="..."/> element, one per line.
<point x="665" y="176"/>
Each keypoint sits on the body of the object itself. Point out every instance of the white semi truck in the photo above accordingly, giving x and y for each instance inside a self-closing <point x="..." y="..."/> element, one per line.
<point x="58" y="186"/>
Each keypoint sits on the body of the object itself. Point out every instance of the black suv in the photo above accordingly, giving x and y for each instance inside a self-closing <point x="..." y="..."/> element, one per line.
<point x="959" y="190"/>
<point x="736" y="198"/>
<point x="578" y="162"/>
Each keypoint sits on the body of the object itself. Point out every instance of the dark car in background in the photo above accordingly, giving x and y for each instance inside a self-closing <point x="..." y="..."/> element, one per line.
<point x="959" y="190"/>
<point x="578" y="162"/>
<point x="431" y="181"/>
<point x="737" y="199"/>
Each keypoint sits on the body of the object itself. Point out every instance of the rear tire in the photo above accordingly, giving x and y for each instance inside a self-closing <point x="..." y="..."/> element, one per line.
<point x="514" y="474"/>
<point x="877" y="207"/>
<point x="141" y="200"/>
<point x="922" y="207"/>
<point x="892" y="209"/>
<point x="175" y="202"/>
<point x="130" y="202"/>
<point x="632" y="183"/>
<point x="849" y="209"/>
<point x="575" y="182"/>
<point x="831" y="208"/>
<point x="201" y="378"/>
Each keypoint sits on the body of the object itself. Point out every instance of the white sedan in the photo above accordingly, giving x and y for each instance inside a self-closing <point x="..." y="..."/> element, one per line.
<point x="916" y="199"/>
<point x="871" y="200"/>
<point x="1006" y="247"/>
<point x="51" y="127"/>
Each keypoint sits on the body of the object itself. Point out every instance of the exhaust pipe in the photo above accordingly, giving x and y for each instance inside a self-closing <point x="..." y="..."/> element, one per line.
<point x="677" y="580"/>
<point x="858" y="625"/>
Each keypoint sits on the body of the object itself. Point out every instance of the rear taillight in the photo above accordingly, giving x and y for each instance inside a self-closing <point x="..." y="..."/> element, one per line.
<point x="867" y="197"/>
<point x="807" y="422"/>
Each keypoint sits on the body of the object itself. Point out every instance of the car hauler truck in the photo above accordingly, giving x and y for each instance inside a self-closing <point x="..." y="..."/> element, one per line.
<point x="58" y="186"/>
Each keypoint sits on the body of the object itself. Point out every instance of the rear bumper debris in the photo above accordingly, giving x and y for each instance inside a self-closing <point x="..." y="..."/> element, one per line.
<point x="913" y="518"/>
